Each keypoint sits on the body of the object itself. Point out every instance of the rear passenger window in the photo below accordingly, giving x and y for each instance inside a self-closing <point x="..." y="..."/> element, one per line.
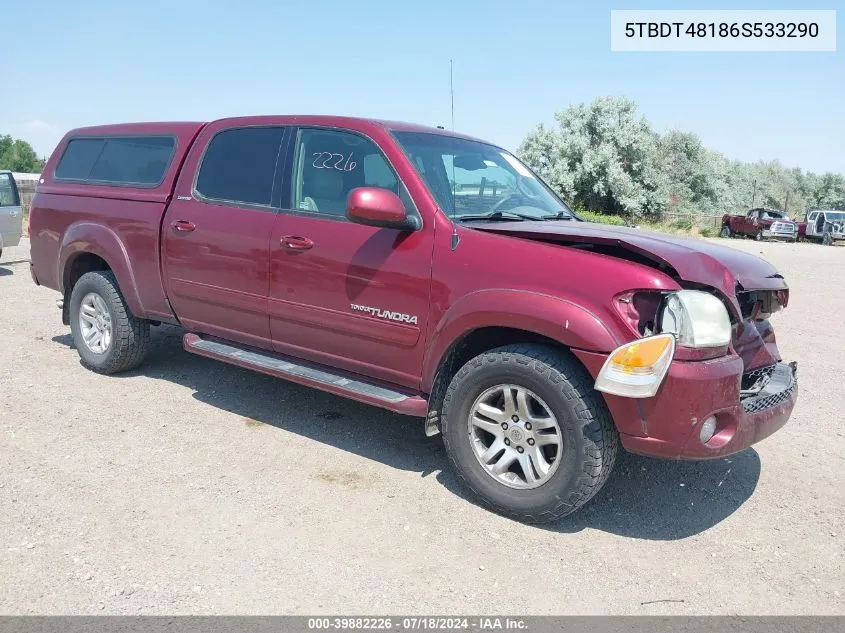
<point x="124" y="160"/>
<point x="240" y="164"/>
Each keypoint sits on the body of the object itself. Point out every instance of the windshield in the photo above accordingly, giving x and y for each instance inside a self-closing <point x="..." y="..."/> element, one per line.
<point x="471" y="179"/>
<point x="775" y="215"/>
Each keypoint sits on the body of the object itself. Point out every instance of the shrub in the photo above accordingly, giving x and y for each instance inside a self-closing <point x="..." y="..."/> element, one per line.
<point x="600" y="218"/>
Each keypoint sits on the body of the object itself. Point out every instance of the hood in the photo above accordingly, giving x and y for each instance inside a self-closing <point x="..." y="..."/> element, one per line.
<point x="692" y="260"/>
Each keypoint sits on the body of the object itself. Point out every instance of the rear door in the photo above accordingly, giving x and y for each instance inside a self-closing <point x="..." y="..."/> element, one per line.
<point x="11" y="216"/>
<point x="216" y="232"/>
<point x="343" y="294"/>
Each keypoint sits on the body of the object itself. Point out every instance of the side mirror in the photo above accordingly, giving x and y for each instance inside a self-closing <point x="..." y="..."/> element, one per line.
<point x="375" y="206"/>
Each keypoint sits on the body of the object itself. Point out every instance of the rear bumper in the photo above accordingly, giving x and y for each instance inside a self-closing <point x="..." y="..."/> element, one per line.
<point x="668" y="425"/>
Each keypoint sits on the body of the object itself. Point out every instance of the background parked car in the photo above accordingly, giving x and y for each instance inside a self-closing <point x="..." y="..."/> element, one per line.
<point x="760" y="223"/>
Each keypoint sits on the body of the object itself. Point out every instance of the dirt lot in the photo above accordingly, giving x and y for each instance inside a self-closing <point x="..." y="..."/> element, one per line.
<point x="193" y="487"/>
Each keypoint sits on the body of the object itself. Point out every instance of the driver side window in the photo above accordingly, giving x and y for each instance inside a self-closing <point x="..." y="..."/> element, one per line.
<point x="329" y="164"/>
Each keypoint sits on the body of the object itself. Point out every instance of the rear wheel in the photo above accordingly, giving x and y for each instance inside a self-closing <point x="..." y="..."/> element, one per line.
<point x="726" y="231"/>
<point x="527" y="433"/>
<point x="107" y="336"/>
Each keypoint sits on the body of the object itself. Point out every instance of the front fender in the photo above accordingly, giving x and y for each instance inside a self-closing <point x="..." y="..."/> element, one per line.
<point x="100" y="240"/>
<point x="558" y="319"/>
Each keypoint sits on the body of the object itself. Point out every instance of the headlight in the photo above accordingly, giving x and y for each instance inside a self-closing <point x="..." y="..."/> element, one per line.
<point x="698" y="319"/>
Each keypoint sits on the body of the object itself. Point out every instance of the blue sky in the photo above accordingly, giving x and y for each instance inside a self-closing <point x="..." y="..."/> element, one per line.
<point x="68" y="64"/>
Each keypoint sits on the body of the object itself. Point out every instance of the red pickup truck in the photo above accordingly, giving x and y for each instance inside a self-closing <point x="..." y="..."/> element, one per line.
<point x="422" y="271"/>
<point x="760" y="224"/>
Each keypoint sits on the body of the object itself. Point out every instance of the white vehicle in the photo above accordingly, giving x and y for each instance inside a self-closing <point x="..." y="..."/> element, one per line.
<point x="825" y="226"/>
<point x="11" y="214"/>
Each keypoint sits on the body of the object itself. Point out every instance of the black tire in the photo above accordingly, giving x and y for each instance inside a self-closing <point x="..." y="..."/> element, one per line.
<point x="726" y="232"/>
<point x="130" y="335"/>
<point x="759" y="235"/>
<point x="590" y="441"/>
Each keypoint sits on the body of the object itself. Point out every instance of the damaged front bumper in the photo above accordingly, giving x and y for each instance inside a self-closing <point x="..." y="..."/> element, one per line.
<point x="747" y="407"/>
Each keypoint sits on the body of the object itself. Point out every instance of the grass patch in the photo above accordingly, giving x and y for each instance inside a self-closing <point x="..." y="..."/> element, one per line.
<point x="600" y="218"/>
<point x="682" y="226"/>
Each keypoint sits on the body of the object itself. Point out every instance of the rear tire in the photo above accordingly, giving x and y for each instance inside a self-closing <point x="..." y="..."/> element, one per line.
<point x="116" y="340"/>
<point x="726" y="232"/>
<point x="576" y="467"/>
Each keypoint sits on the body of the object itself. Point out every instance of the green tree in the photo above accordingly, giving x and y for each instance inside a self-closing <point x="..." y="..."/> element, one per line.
<point x="18" y="155"/>
<point x="690" y="173"/>
<point x="602" y="156"/>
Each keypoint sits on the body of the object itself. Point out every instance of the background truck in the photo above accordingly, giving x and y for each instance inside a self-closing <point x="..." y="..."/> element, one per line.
<point x="760" y="224"/>
<point x="823" y="225"/>
<point x="421" y="271"/>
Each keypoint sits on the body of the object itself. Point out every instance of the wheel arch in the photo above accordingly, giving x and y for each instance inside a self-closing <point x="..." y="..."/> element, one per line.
<point x="488" y="319"/>
<point x="87" y="246"/>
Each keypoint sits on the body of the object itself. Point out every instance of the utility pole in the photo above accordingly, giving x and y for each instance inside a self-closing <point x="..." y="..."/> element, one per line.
<point x="786" y="204"/>
<point x="452" y="93"/>
<point x="754" y="195"/>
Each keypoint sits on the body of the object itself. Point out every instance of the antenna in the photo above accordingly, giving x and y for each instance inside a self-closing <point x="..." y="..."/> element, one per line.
<point x="452" y="93"/>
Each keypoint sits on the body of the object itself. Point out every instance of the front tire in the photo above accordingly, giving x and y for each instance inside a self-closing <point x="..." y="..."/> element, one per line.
<point x="759" y="235"/>
<point x="108" y="337"/>
<point x="540" y="400"/>
<point x="726" y="232"/>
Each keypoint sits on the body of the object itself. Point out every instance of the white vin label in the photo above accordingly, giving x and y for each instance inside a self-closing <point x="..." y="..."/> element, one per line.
<point x="723" y="30"/>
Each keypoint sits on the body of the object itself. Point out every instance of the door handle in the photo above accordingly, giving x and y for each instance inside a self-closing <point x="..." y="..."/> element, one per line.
<point x="13" y="213"/>
<point x="296" y="242"/>
<point x="184" y="226"/>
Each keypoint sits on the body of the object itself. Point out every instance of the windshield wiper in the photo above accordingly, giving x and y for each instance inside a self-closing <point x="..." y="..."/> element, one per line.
<point x="560" y="215"/>
<point x="502" y="216"/>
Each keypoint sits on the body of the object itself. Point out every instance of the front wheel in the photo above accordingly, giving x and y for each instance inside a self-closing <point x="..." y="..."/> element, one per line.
<point x="759" y="235"/>
<point x="527" y="433"/>
<point x="108" y="337"/>
<point x="726" y="231"/>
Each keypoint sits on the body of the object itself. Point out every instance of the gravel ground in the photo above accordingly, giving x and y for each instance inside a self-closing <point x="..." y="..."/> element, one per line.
<point x="190" y="486"/>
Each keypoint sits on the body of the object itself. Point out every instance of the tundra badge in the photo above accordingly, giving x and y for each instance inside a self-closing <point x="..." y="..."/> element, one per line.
<point x="385" y="314"/>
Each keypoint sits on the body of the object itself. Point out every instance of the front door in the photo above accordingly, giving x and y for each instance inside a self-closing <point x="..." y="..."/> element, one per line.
<point x="217" y="233"/>
<point x="351" y="296"/>
<point x="10" y="212"/>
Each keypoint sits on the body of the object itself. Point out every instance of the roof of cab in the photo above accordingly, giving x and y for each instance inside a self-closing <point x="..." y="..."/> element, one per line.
<point x="191" y="127"/>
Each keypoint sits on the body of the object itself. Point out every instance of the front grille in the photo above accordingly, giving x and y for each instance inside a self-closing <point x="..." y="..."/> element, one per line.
<point x="766" y="387"/>
<point x="754" y="377"/>
<point x="783" y="227"/>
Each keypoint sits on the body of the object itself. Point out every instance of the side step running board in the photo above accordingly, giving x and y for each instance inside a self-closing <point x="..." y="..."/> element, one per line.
<point x="306" y="374"/>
